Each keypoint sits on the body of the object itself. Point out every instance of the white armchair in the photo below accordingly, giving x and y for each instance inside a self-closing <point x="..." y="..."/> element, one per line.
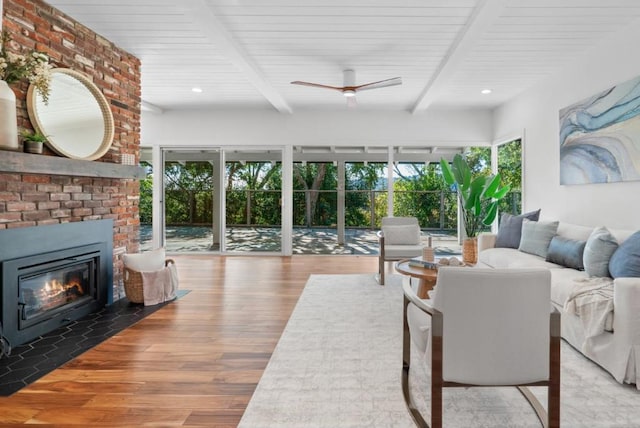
<point x="485" y="327"/>
<point x="399" y="238"/>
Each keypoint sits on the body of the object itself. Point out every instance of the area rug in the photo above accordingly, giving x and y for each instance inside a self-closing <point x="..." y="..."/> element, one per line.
<point x="338" y="364"/>
<point x="29" y="362"/>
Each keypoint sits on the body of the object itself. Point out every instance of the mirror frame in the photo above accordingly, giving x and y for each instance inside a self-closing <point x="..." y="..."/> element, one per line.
<point x="107" y="116"/>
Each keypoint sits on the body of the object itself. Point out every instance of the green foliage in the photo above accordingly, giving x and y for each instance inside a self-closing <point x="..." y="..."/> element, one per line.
<point x="423" y="194"/>
<point x="361" y="182"/>
<point x="479" y="160"/>
<point x="188" y="189"/>
<point x="478" y="195"/>
<point x="256" y="185"/>
<point x="510" y="164"/>
<point x="254" y="188"/>
<point x="315" y="203"/>
<point x="146" y="195"/>
<point x="363" y="177"/>
<point x="33" y="136"/>
<point x="510" y="169"/>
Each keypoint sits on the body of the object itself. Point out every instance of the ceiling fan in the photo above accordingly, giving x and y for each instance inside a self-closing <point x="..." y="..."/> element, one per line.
<point x="350" y="88"/>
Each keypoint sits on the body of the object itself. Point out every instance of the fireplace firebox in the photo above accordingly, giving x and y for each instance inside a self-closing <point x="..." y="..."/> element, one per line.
<point x="50" y="288"/>
<point x="44" y="290"/>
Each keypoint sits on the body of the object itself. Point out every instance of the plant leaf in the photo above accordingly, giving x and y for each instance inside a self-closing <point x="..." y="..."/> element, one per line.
<point x="492" y="210"/>
<point x="500" y="193"/>
<point x="477" y="185"/>
<point x="465" y="172"/>
<point x="492" y="186"/>
<point x="446" y="172"/>
<point x="457" y="171"/>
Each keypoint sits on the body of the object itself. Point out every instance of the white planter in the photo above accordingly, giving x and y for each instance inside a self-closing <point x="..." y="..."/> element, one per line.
<point x="8" y="118"/>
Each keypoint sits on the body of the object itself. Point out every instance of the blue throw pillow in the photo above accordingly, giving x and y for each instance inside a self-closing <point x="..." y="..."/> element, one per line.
<point x="597" y="253"/>
<point x="536" y="236"/>
<point x="566" y="252"/>
<point x="625" y="261"/>
<point x="510" y="229"/>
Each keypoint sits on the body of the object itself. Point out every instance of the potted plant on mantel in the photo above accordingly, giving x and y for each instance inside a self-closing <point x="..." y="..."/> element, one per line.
<point x="33" y="141"/>
<point x="478" y="198"/>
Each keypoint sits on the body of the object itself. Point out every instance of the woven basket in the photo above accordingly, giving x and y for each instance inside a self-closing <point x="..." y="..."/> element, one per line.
<point x="133" y="283"/>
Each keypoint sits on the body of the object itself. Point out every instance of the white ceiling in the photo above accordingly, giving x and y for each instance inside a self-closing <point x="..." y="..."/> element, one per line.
<point x="245" y="53"/>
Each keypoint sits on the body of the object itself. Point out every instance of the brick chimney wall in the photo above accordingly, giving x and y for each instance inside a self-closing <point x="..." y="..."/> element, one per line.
<point x="31" y="199"/>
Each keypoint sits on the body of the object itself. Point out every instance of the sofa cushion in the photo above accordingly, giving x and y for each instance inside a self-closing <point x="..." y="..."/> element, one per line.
<point x="574" y="231"/>
<point x="597" y="253"/>
<point x="625" y="261"/>
<point x="566" y="252"/>
<point x="398" y="252"/>
<point x="562" y="283"/>
<point x="511" y="229"/>
<point x="622" y="235"/>
<point x="512" y="258"/>
<point x="401" y="234"/>
<point x="536" y="236"/>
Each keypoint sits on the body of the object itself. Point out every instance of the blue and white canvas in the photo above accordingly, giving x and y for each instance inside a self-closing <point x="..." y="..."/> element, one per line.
<point x="600" y="137"/>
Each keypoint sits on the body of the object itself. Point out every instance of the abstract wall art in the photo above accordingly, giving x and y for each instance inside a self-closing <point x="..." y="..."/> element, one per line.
<point x="600" y="137"/>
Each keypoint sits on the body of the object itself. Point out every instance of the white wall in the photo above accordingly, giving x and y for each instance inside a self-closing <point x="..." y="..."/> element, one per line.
<point x="614" y="205"/>
<point x="266" y="127"/>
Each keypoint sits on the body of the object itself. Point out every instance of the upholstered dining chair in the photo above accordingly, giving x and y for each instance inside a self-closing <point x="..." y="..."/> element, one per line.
<point x="399" y="238"/>
<point x="485" y="327"/>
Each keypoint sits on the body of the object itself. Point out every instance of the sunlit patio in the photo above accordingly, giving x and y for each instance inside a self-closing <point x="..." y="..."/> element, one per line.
<point x="267" y="239"/>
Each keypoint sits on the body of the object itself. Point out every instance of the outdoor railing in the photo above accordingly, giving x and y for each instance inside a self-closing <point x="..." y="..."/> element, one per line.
<point x="435" y="209"/>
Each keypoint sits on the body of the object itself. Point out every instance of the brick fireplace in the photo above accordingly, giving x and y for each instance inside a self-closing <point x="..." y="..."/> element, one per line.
<point x="42" y="190"/>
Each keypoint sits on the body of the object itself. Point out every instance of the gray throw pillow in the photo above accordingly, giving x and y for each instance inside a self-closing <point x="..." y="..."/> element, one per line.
<point x="536" y="236"/>
<point x="597" y="253"/>
<point x="625" y="261"/>
<point x="510" y="229"/>
<point x="566" y="252"/>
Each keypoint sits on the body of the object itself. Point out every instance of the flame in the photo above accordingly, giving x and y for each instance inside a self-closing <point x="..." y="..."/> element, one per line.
<point x="55" y="287"/>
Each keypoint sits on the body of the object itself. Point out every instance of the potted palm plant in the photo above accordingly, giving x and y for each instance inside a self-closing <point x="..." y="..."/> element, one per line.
<point x="33" y="141"/>
<point x="478" y="200"/>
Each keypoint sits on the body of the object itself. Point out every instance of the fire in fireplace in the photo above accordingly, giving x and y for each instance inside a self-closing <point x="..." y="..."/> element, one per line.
<point x="46" y="290"/>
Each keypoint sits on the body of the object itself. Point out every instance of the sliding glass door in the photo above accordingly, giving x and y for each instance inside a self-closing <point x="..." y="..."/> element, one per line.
<point x="192" y="200"/>
<point x="253" y="200"/>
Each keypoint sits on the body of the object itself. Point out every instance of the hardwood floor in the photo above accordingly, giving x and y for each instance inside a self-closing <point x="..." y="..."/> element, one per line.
<point x="195" y="362"/>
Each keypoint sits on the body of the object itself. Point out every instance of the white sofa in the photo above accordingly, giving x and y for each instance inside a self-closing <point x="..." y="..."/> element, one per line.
<point x="617" y="350"/>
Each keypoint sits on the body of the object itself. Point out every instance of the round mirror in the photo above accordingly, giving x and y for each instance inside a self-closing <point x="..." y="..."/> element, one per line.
<point x="77" y="120"/>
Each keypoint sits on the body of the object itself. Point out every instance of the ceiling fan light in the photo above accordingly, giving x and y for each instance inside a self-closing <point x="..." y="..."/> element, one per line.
<point x="349" y="93"/>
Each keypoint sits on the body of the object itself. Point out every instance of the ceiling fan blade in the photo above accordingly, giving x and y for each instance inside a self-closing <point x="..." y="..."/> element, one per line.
<point x="380" y="84"/>
<point x="316" y="85"/>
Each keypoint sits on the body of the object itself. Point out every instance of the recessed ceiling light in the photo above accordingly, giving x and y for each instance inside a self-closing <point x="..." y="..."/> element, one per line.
<point x="485" y="91"/>
<point x="196" y="90"/>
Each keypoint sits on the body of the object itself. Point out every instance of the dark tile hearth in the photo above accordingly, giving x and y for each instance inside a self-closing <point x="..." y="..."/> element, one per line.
<point x="33" y="360"/>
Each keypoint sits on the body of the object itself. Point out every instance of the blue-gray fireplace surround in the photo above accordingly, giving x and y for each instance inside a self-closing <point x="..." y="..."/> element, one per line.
<point x="84" y="249"/>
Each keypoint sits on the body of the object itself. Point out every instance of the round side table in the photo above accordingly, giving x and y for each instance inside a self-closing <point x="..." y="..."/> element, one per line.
<point x="427" y="277"/>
